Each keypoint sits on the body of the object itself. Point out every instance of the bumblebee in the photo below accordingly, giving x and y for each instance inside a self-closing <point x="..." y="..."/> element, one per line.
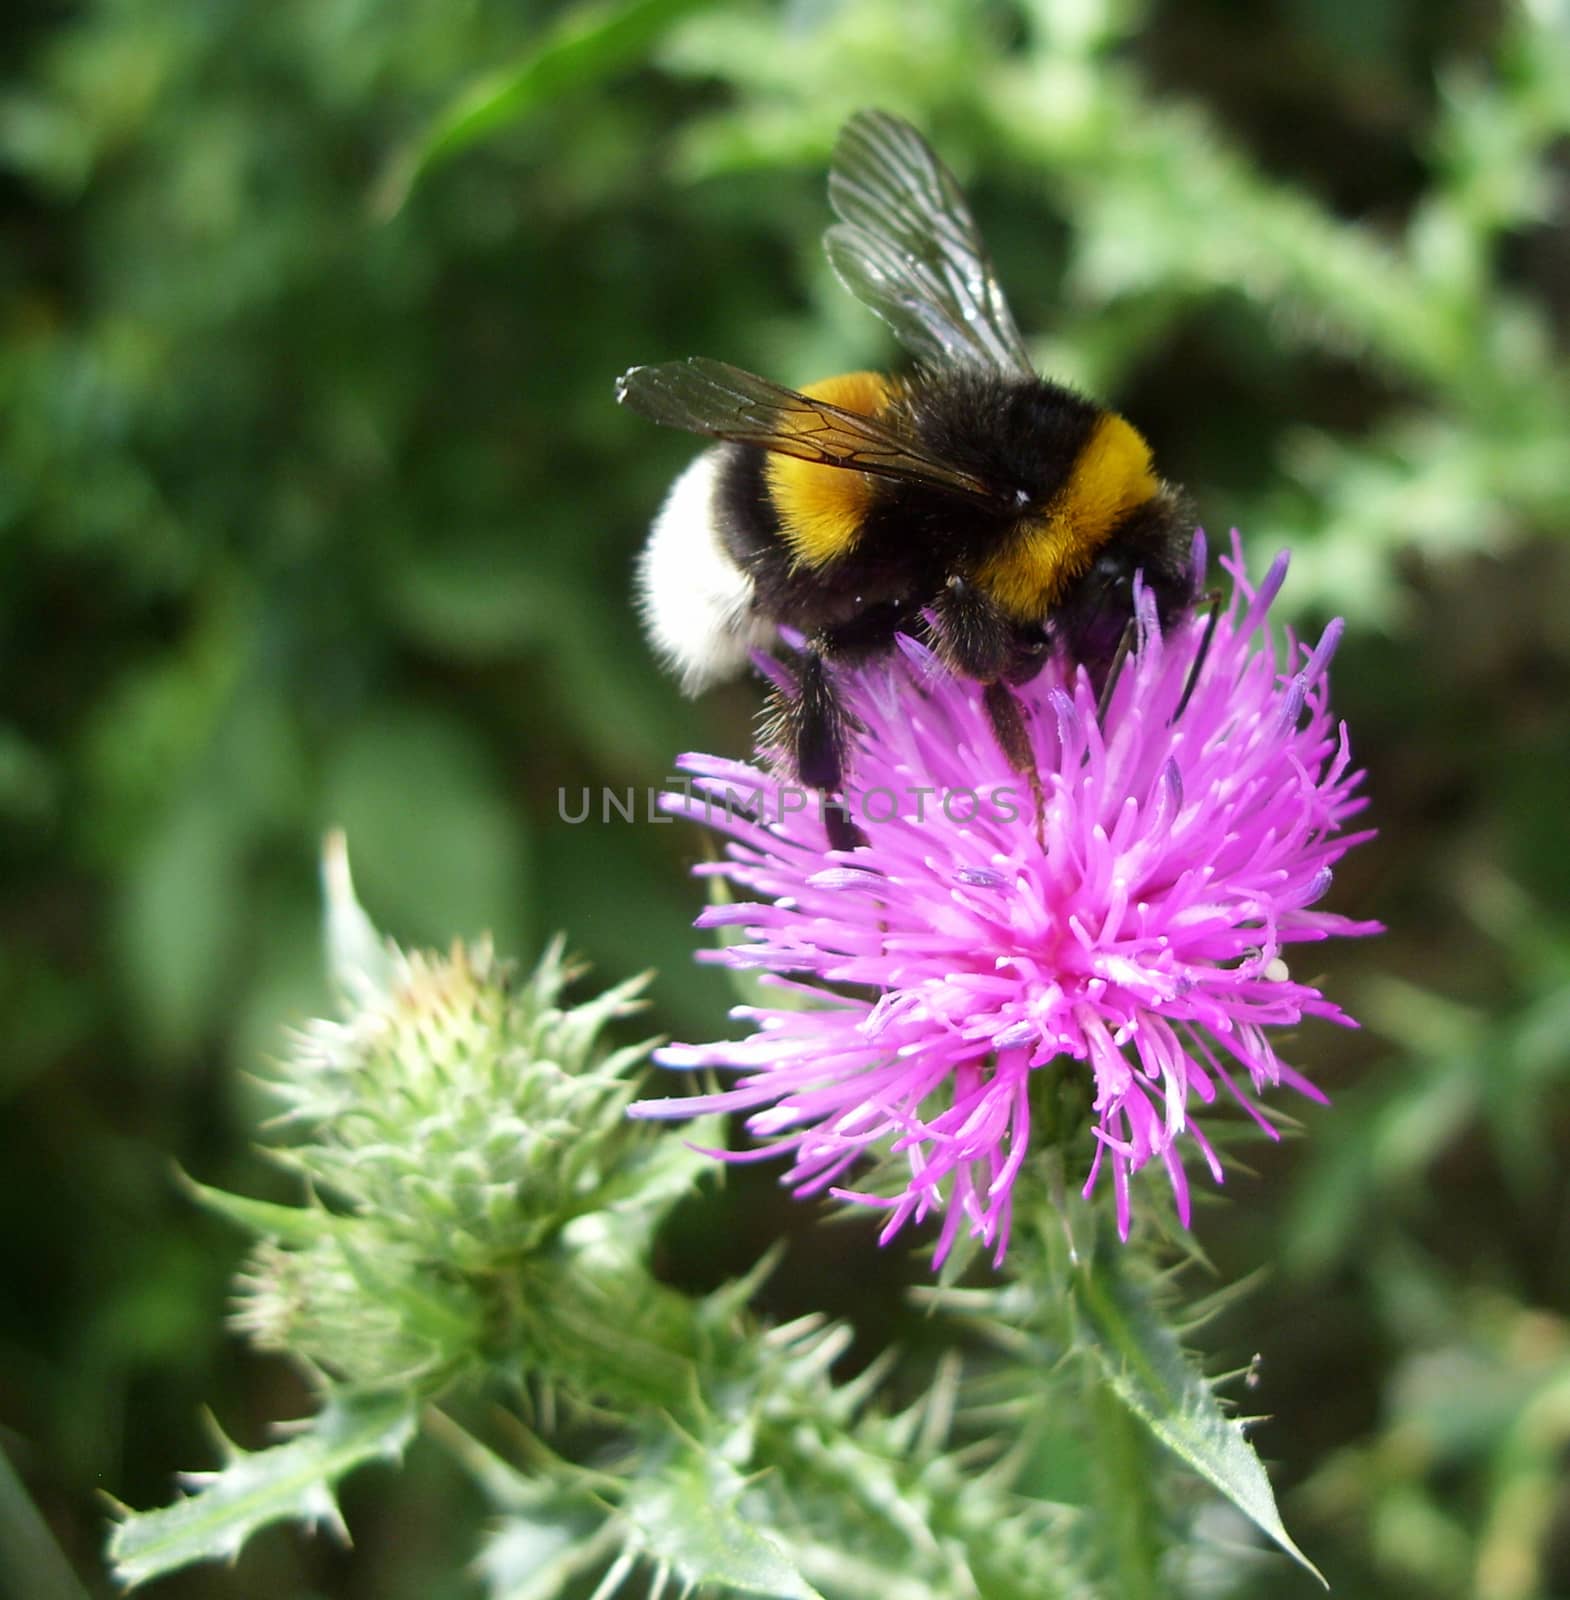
<point x="998" y="514"/>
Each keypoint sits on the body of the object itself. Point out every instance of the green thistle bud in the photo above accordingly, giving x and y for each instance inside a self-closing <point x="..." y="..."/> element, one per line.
<point x="454" y="1121"/>
<point x="465" y="1110"/>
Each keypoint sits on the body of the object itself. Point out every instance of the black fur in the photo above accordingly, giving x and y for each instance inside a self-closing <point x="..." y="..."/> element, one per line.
<point x="743" y="510"/>
<point x="917" y="547"/>
<point x="809" y="727"/>
<point x="818" y="737"/>
<point x="1023" y="438"/>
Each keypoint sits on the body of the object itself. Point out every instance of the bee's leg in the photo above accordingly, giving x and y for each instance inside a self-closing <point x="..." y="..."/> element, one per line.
<point x="821" y="726"/>
<point x="1008" y="727"/>
<point x="812" y="725"/>
<point x="971" y="634"/>
<point x="1211" y="598"/>
<point x="818" y="726"/>
<point x="976" y="640"/>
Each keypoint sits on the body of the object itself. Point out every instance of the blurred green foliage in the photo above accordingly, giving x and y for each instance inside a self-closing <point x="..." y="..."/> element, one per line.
<point x="315" y="509"/>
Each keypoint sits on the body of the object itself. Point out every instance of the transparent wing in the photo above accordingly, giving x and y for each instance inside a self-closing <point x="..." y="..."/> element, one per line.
<point x="712" y="397"/>
<point x="908" y="248"/>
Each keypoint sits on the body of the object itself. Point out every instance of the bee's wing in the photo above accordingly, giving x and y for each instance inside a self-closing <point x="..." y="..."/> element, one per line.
<point x="908" y="248"/>
<point x="704" y="396"/>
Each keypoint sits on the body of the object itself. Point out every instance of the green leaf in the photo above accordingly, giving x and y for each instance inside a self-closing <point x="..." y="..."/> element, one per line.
<point x="1147" y="1370"/>
<point x="587" y="44"/>
<point x="288" y="1482"/>
<point x="686" y="1517"/>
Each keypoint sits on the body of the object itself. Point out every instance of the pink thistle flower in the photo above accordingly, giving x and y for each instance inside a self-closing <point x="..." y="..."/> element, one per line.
<point x="1139" y="929"/>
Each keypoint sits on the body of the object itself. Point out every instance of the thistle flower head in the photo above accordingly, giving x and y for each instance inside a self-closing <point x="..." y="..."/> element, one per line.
<point x="1133" y="927"/>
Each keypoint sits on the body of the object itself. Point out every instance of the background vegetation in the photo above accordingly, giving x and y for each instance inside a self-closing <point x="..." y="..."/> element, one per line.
<point x="315" y="508"/>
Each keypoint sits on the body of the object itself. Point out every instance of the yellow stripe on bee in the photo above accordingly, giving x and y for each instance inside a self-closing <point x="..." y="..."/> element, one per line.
<point x="1111" y="477"/>
<point x="820" y="508"/>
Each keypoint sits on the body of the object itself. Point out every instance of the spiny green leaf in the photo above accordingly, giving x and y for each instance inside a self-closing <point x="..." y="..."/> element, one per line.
<point x="589" y="43"/>
<point x="554" y="1530"/>
<point x="1127" y="1519"/>
<point x="1147" y="1370"/>
<point x="291" y="1481"/>
<point x="687" y="1518"/>
<point x="555" y="1525"/>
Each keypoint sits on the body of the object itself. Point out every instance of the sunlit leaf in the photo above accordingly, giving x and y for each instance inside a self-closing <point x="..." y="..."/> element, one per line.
<point x="587" y="44"/>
